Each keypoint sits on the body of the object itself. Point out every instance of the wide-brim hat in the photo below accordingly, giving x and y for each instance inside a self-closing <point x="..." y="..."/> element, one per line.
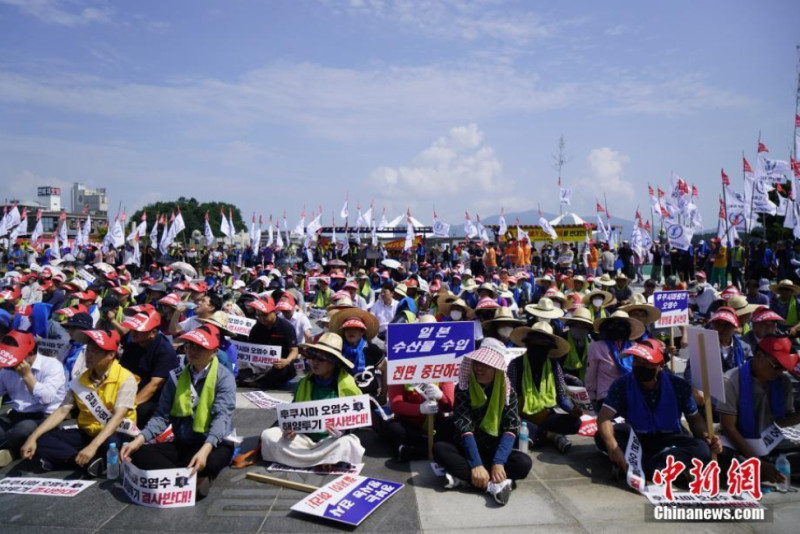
<point x="503" y="316"/>
<point x="542" y="328"/>
<point x="370" y="321"/>
<point x="640" y="303"/>
<point x="219" y="319"/>
<point x="469" y="285"/>
<point x="555" y="294"/>
<point x="329" y="343"/>
<point x="606" y="281"/>
<point x="486" y="286"/>
<point x="443" y="298"/>
<point x="784" y="284"/>
<point x="469" y="313"/>
<point x="401" y="289"/>
<point x="637" y="328"/>
<point x="607" y="297"/>
<point x="544" y="309"/>
<point x="581" y="315"/>
<point x="741" y="306"/>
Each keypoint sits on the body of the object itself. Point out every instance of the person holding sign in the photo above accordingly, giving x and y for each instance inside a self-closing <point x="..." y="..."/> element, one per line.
<point x="271" y="329"/>
<point x="357" y="329"/>
<point x="758" y="395"/>
<point x="652" y="401"/>
<point x="329" y="379"/>
<point x="410" y="405"/>
<point x="537" y="378"/>
<point x="487" y="422"/>
<point x="732" y="350"/>
<point x="105" y="395"/>
<point x="34" y="384"/>
<point x="198" y="401"/>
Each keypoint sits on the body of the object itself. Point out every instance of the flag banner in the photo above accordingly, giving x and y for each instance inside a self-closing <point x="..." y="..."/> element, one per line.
<point x="545" y="224"/>
<point x="772" y="170"/>
<point x="440" y="229"/>
<point x="502" y="224"/>
<point x="679" y="236"/>
<point x="565" y="194"/>
<point x="756" y="194"/>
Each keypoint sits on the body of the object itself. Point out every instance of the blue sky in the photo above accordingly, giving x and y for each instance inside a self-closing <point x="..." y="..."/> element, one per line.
<point x="276" y="104"/>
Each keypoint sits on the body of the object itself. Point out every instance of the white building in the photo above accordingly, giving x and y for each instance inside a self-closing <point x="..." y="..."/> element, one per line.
<point x="95" y="199"/>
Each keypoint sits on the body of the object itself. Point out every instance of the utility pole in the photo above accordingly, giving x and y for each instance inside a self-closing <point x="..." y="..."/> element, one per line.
<point x="560" y="159"/>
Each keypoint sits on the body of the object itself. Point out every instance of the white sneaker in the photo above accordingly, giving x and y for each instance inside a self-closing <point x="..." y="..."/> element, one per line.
<point x="5" y="457"/>
<point x="453" y="482"/>
<point x="501" y="492"/>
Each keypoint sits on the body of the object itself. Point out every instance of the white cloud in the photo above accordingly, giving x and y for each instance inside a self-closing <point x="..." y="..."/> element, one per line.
<point x="604" y="175"/>
<point x="55" y="12"/>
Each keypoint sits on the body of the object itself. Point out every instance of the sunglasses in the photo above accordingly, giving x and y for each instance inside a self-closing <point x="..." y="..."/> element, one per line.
<point x="317" y="357"/>
<point x="774" y="364"/>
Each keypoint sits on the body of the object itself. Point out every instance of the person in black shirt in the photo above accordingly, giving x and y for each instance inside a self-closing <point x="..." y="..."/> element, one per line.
<point x="270" y="329"/>
<point x="150" y="356"/>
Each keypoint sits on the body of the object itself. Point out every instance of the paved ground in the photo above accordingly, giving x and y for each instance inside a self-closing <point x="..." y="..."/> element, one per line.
<point x="572" y="493"/>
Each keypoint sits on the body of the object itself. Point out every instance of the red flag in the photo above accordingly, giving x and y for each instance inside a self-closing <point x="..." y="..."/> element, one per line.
<point x="466" y="214"/>
<point x="436" y="216"/>
<point x="762" y="147"/>
<point x="24" y="214"/>
<point x="172" y="217"/>
<point x="797" y="121"/>
<point x="722" y="210"/>
<point x="683" y="187"/>
<point x="661" y="194"/>
<point x="260" y="221"/>
<point x="253" y="220"/>
<point x="63" y="216"/>
<point x="641" y="224"/>
<point x="664" y="212"/>
<point x="725" y="180"/>
<point x="795" y="166"/>
<point x="85" y="209"/>
<point x="650" y="190"/>
<point x="647" y="226"/>
<point x="747" y="167"/>
<point x="124" y="217"/>
<point x="695" y="192"/>
<point x="779" y="188"/>
<point x="600" y="208"/>
<point x="206" y="215"/>
<point x="638" y="215"/>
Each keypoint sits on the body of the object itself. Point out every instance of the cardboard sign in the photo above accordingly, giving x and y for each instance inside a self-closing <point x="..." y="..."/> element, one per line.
<point x="342" y="468"/>
<point x="83" y="273"/>
<point x="349" y="499"/>
<point x="513" y="353"/>
<point x="674" y="306"/>
<point x="580" y="397"/>
<point x="689" y="500"/>
<point x="261" y="400"/>
<point x="240" y="325"/>
<point x="159" y="488"/>
<point x="43" y="486"/>
<point x="762" y="445"/>
<point x="315" y="314"/>
<point x="710" y="341"/>
<point x="315" y="416"/>
<point x="55" y="348"/>
<point x="588" y="426"/>
<point x="633" y="455"/>
<point x="254" y="356"/>
<point x="427" y="352"/>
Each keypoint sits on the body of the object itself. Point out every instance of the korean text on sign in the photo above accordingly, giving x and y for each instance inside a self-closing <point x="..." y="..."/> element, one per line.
<point x="310" y="417"/>
<point x="240" y="325"/>
<point x="425" y="352"/>
<point x="674" y="306"/>
<point x="349" y="499"/>
<point x="159" y="488"/>
<point x="254" y="356"/>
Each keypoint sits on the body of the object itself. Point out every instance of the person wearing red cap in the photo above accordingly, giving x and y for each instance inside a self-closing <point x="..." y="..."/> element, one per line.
<point x="732" y="350"/>
<point x="652" y="400"/>
<point x="322" y="296"/>
<point x="150" y="356"/>
<point x="299" y="320"/>
<point x="105" y="395"/>
<point x="204" y="307"/>
<point x="200" y="430"/>
<point x="271" y="329"/>
<point x="35" y="386"/>
<point x="764" y="322"/>
<point x="351" y="287"/>
<point x="758" y="395"/>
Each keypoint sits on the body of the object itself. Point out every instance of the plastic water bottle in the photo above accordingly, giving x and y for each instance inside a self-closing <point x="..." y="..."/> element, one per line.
<point x="523" y="437"/>
<point x="784" y="468"/>
<point x="112" y="462"/>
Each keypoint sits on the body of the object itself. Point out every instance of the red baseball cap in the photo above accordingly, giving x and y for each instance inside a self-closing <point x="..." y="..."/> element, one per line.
<point x="200" y="287"/>
<point x="351" y="285"/>
<point x="181" y="286"/>
<point x="354" y="322"/>
<point x="86" y="295"/>
<point x="105" y="340"/>
<point x="726" y="315"/>
<point x="764" y="315"/>
<point x="172" y="300"/>
<point x="14" y="347"/>
<point x="649" y="352"/>
<point x="207" y="336"/>
<point x="122" y="291"/>
<point x="143" y="321"/>
<point x="264" y="304"/>
<point x="72" y="310"/>
<point x="11" y="293"/>
<point x="780" y="348"/>
<point x="286" y="303"/>
<point x="487" y="303"/>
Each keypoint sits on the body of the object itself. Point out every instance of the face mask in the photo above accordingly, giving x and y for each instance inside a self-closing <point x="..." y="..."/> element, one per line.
<point x="644" y="374"/>
<point x="597" y="302"/>
<point x="556" y="305"/>
<point x="579" y="333"/>
<point x="456" y="315"/>
<point x="505" y="331"/>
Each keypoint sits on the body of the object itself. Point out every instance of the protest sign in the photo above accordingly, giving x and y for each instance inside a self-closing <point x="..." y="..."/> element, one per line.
<point x="580" y="397"/>
<point x="427" y="352"/>
<point x="43" y="486"/>
<point x="159" y="488"/>
<point x="342" y="468"/>
<point x="349" y="499"/>
<point x="704" y="500"/>
<point x="309" y="417"/>
<point x="254" y="356"/>
<point x="674" y="306"/>
<point x="262" y="400"/>
<point x="56" y="348"/>
<point x="83" y="273"/>
<point x="315" y="314"/>
<point x="633" y="455"/>
<point x="240" y="325"/>
<point x="763" y="444"/>
<point x="706" y="342"/>
<point x="514" y="352"/>
<point x="588" y="426"/>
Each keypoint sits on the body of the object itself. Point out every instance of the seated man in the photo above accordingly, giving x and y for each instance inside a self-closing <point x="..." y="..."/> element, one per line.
<point x="35" y="385"/>
<point x="105" y="395"/>
<point x="758" y="394"/>
<point x="271" y="329"/>
<point x="329" y="379"/>
<point x="150" y="356"/>
<point x="200" y="421"/>
<point x="651" y="401"/>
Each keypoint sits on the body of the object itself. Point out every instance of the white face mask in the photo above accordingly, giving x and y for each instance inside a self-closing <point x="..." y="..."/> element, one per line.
<point x="505" y="331"/>
<point x="556" y="304"/>
<point x="597" y="302"/>
<point x="456" y="315"/>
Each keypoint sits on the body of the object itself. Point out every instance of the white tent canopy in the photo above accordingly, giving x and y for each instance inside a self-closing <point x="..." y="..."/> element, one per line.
<point x="401" y="221"/>
<point x="568" y="218"/>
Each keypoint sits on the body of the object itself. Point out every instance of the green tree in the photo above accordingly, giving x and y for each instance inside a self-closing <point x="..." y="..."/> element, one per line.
<point x="194" y="214"/>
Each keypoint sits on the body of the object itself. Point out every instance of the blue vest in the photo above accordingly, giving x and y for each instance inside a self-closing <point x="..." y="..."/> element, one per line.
<point x="666" y="418"/>
<point x="746" y="419"/>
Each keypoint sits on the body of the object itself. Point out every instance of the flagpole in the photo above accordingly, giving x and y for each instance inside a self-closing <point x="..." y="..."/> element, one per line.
<point x="725" y="204"/>
<point x="608" y="219"/>
<point x="747" y="216"/>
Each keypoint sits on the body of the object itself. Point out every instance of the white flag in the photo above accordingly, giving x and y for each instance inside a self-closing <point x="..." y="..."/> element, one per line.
<point x="502" y="223"/>
<point x="549" y="230"/>
<point x="410" y="236"/>
<point x="679" y="236"/>
<point x="300" y="228"/>
<point x="344" y="213"/>
<point x="772" y="170"/>
<point x="732" y="234"/>
<point x="55" y="249"/>
<point x="522" y="234"/>
<point x="12" y="219"/>
<point x="345" y="244"/>
<point x="279" y="238"/>
<point x="384" y="222"/>
<point x="756" y="194"/>
<point x="368" y="217"/>
<point x="154" y="234"/>
<point x="87" y="230"/>
<point x="232" y="225"/>
<point x="224" y="227"/>
<point x="137" y="254"/>
<point x="313" y="226"/>
<point x="565" y="194"/>
<point x="208" y="234"/>
<point x="271" y="233"/>
<point x="601" y="227"/>
<point x="178" y="224"/>
<point x="469" y="227"/>
<point x="440" y="229"/>
<point x="38" y="230"/>
<point x="374" y="235"/>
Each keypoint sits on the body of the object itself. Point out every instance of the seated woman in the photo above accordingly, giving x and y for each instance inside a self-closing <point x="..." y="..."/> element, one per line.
<point x="329" y="379"/>
<point x="537" y="378"/>
<point x="579" y="327"/>
<point x="199" y="429"/>
<point x="486" y="422"/>
<point x="358" y="328"/>
<point x="410" y="404"/>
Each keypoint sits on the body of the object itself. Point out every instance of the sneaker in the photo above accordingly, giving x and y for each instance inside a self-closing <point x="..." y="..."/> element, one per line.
<point x="501" y="492"/>
<point x="96" y="468"/>
<point x="5" y="457"/>
<point x="563" y="444"/>
<point x="47" y="465"/>
<point x="203" y="487"/>
<point x="453" y="482"/>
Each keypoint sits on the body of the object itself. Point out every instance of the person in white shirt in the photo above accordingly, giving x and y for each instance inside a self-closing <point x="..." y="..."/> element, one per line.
<point x="299" y="320"/>
<point x="384" y="308"/>
<point x="35" y="384"/>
